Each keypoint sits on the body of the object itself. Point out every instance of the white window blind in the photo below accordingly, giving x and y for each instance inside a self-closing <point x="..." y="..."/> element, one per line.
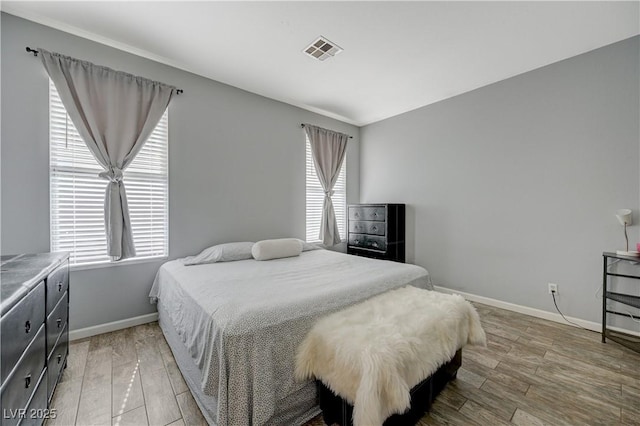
<point x="77" y="193"/>
<point x="315" y="198"/>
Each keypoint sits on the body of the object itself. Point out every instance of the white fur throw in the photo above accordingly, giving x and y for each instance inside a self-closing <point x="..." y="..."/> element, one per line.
<point x="373" y="353"/>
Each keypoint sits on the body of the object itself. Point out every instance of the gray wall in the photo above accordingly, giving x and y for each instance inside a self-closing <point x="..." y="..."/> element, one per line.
<point x="515" y="185"/>
<point x="236" y="166"/>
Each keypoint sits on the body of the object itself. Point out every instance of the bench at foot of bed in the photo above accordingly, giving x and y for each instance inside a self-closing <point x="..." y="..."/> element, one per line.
<point x="335" y="410"/>
<point x="374" y="353"/>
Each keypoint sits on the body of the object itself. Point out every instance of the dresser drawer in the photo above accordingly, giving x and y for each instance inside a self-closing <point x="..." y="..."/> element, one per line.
<point x="57" y="284"/>
<point x="22" y="383"/>
<point x="367" y="213"/>
<point x="19" y="326"/>
<point x="56" y="322"/>
<point x="368" y="241"/>
<point x="356" y="240"/>
<point x="375" y="243"/>
<point x="37" y="410"/>
<point x="57" y="360"/>
<point x="371" y="228"/>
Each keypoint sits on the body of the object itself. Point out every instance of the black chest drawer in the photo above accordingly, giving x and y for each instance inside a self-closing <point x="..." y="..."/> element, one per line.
<point x="367" y="213"/>
<point x="19" y="326"/>
<point x="17" y="390"/>
<point x="368" y="227"/>
<point x="371" y="242"/>
<point x="377" y="230"/>
<point x="57" y="285"/>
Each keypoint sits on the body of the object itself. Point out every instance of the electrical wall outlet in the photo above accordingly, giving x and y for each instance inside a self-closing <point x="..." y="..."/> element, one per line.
<point x="553" y="288"/>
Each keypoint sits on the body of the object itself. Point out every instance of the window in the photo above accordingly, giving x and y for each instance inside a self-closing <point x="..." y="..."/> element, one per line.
<point x="315" y="198"/>
<point x="77" y="193"/>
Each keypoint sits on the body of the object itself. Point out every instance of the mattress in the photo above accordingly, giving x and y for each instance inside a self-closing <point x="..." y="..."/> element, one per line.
<point x="242" y="321"/>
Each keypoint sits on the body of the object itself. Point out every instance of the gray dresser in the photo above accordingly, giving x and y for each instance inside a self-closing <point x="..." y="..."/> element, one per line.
<point x="34" y="334"/>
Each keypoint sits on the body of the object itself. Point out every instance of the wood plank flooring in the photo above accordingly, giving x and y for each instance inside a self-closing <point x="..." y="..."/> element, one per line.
<point x="538" y="372"/>
<point x="128" y="377"/>
<point x="533" y="372"/>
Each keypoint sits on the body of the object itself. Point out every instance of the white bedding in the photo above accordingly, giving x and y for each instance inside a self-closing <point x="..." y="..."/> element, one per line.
<point x="242" y="321"/>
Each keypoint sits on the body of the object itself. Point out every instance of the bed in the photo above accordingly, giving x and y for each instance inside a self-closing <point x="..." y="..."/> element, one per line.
<point x="234" y="326"/>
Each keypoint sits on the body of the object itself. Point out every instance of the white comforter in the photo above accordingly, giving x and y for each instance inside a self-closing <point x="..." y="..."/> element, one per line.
<point x="242" y="321"/>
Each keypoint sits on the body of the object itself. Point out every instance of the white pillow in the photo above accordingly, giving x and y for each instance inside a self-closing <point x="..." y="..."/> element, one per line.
<point x="276" y="249"/>
<point x="221" y="253"/>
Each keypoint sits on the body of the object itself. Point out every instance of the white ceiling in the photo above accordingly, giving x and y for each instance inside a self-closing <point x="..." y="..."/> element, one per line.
<point x="397" y="56"/>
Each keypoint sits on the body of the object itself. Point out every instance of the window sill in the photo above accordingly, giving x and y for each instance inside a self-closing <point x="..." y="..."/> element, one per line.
<point x="111" y="264"/>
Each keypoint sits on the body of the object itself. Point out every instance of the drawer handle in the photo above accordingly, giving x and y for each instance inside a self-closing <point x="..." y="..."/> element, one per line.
<point x="374" y="244"/>
<point x="59" y="358"/>
<point x="60" y="286"/>
<point x="374" y="229"/>
<point x="356" y="214"/>
<point x="27" y="381"/>
<point x="27" y="327"/>
<point x="59" y="322"/>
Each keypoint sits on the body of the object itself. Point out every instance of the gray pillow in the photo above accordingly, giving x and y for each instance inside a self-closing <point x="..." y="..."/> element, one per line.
<point x="310" y="246"/>
<point x="221" y="253"/>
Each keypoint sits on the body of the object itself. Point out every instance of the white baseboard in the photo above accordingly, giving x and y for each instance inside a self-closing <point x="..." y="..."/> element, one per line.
<point x="111" y="326"/>
<point x="538" y="313"/>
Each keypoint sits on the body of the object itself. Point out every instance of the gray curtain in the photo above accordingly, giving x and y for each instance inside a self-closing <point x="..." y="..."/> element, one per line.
<point x="115" y="113"/>
<point x="329" y="149"/>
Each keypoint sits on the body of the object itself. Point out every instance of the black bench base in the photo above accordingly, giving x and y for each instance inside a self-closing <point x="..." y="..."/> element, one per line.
<point x="336" y="410"/>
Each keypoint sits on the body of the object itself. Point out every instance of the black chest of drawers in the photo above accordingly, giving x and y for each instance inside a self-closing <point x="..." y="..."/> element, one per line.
<point x="377" y="230"/>
<point x="34" y="334"/>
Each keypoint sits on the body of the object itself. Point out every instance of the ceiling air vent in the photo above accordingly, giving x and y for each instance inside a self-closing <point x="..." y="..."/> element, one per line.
<point x="322" y="49"/>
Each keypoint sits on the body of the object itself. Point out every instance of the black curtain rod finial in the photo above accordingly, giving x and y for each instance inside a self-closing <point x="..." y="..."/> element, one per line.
<point x="179" y="91"/>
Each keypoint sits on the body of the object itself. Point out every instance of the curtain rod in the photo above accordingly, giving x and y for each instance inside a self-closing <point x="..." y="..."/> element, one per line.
<point x="350" y="137"/>
<point x="35" y="53"/>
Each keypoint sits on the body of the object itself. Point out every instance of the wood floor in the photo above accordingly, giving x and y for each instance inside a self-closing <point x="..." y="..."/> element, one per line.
<point x="533" y="372"/>
<point x="128" y="377"/>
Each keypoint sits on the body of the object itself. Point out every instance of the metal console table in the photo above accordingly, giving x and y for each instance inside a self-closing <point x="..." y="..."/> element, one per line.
<point x="628" y="340"/>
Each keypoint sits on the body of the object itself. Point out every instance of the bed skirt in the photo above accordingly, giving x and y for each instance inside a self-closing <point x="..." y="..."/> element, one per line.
<point x="336" y="410"/>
